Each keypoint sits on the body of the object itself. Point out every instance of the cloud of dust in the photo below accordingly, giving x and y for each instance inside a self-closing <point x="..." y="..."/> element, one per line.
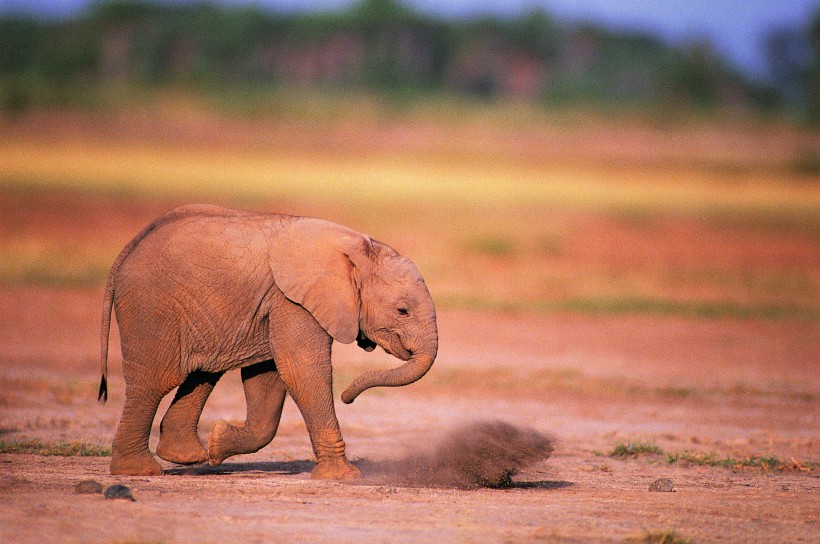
<point x="481" y="454"/>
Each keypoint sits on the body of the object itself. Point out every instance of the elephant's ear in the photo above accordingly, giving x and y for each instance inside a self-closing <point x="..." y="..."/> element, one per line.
<point x="313" y="264"/>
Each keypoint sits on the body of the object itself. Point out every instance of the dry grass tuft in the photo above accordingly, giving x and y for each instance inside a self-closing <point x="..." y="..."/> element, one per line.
<point x="63" y="449"/>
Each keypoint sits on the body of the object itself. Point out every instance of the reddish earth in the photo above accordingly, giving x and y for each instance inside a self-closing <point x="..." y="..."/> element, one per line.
<point x="730" y="388"/>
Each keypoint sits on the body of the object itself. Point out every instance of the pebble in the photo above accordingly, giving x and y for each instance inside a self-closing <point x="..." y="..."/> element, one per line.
<point x="662" y="484"/>
<point x="88" y="486"/>
<point x="118" y="491"/>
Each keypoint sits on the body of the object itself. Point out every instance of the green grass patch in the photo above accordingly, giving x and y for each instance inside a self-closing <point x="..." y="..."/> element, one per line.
<point x="630" y="449"/>
<point x="752" y="461"/>
<point x="763" y="462"/>
<point x="63" y="449"/>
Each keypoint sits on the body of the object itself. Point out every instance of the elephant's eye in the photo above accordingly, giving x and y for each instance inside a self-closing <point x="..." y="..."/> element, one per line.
<point x="403" y="311"/>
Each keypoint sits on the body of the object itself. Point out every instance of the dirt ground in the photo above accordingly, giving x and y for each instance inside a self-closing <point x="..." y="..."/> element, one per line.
<point x="719" y="387"/>
<point x="731" y="388"/>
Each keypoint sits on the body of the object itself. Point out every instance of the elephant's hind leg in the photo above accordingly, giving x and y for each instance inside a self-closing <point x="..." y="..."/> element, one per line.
<point x="265" y="396"/>
<point x="178" y="439"/>
<point x="129" y="452"/>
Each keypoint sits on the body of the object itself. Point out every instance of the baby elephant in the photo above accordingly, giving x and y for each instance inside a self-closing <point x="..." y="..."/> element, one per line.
<point x="204" y="289"/>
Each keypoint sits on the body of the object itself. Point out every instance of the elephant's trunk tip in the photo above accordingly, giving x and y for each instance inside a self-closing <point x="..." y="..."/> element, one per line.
<point x="349" y="396"/>
<point x="358" y="387"/>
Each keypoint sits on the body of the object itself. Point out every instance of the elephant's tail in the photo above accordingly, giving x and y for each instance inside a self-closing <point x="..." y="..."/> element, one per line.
<point x="108" y="303"/>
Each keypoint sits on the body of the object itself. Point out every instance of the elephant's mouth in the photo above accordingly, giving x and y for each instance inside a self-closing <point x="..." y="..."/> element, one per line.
<point x="365" y="343"/>
<point x="395" y="347"/>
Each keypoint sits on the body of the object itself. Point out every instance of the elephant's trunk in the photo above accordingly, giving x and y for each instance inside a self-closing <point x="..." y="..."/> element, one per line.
<point x="416" y="367"/>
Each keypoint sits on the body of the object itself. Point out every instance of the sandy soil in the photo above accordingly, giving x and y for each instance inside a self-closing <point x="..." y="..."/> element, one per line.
<point x="724" y="387"/>
<point x="732" y="388"/>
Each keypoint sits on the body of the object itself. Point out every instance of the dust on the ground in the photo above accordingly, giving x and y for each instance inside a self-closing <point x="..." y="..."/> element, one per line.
<point x="469" y="456"/>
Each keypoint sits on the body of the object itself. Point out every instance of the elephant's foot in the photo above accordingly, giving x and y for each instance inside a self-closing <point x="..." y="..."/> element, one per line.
<point x="217" y="451"/>
<point x="135" y="465"/>
<point x="335" y="468"/>
<point x="225" y="440"/>
<point x="187" y="452"/>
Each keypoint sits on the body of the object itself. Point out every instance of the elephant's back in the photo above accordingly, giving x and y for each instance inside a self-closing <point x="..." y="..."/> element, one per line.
<point x="198" y="245"/>
<point x="205" y="211"/>
<point x="209" y="213"/>
<point x="198" y="236"/>
<point x="195" y="213"/>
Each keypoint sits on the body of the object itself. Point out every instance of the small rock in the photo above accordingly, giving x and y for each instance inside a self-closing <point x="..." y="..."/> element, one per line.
<point x="88" y="486"/>
<point x="118" y="491"/>
<point x="662" y="484"/>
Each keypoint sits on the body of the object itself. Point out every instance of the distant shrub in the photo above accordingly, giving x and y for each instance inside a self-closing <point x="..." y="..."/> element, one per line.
<point x="491" y="245"/>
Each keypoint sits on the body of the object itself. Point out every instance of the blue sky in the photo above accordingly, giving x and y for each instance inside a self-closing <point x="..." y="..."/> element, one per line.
<point x="735" y="27"/>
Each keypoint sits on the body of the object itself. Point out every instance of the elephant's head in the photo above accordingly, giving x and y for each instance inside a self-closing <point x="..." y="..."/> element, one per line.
<point x="359" y="289"/>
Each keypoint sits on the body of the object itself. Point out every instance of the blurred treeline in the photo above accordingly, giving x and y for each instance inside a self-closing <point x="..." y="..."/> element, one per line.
<point x="387" y="47"/>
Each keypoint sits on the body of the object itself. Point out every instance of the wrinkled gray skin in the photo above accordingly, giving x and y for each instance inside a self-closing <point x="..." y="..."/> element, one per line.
<point x="203" y="290"/>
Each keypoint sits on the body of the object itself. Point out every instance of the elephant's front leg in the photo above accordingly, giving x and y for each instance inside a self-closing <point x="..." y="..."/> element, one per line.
<point x="265" y="396"/>
<point x="301" y="348"/>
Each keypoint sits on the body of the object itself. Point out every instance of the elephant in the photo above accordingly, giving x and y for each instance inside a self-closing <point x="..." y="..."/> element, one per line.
<point x="205" y="289"/>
